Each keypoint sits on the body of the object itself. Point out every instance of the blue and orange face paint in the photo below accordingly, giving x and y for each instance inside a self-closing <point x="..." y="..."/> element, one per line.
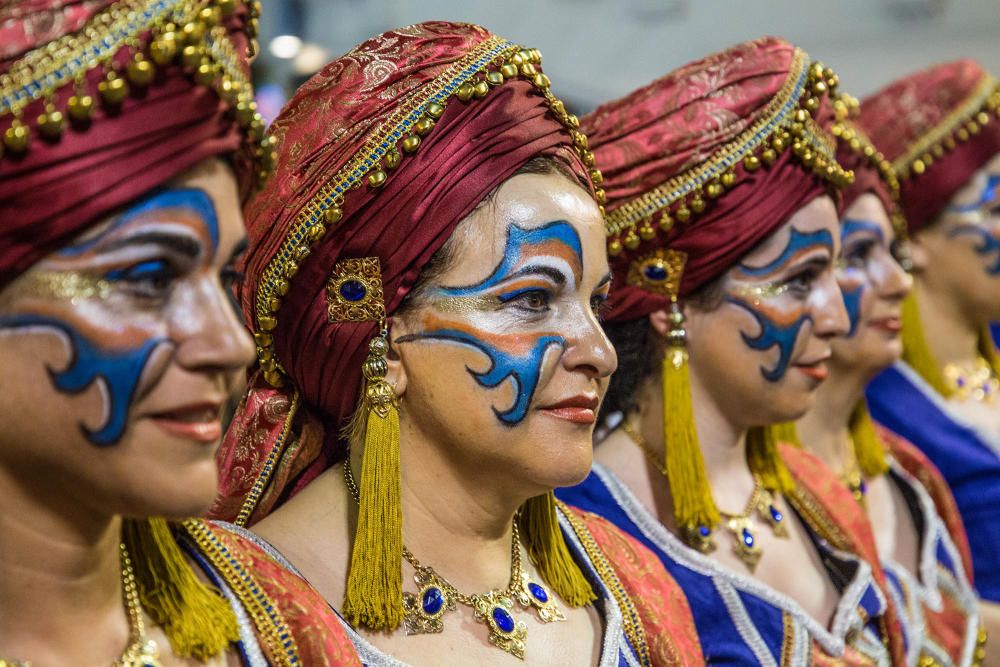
<point x="112" y="355"/>
<point x="988" y="245"/>
<point x="853" y="279"/>
<point x="536" y="264"/>
<point x="779" y="324"/>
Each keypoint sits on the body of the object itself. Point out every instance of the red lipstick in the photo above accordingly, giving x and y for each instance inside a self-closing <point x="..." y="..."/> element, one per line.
<point x="581" y="409"/>
<point x="198" y="422"/>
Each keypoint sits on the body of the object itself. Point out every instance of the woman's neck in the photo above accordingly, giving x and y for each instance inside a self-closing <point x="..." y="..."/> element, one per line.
<point x="60" y="571"/>
<point x="722" y="443"/>
<point x="456" y="520"/>
<point x="951" y="333"/>
<point x="824" y="430"/>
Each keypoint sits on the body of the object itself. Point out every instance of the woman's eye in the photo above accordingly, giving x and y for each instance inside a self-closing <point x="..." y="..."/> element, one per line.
<point x="858" y="254"/>
<point x="529" y="299"/>
<point x="801" y="283"/>
<point x="599" y="304"/>
<point x="149" y="279"/>
<point x="230" y="279"/>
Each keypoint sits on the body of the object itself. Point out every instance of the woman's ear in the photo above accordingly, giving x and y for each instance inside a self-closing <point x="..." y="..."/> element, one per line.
<point x="395" y="357"/>
<point x="660" y="322"/>
<point x="919" y="257"/>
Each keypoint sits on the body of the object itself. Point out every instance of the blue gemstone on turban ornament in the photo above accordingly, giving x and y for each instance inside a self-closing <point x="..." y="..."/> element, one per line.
<point x="503" y="619"/>
<point x="432" y="601"/>
<point x="655" y="273"/>
<point x="538" y="592"/>
<point x="353" y="290"/>
<point x="747" y="538"/>
<point x="776" y="514"/>
<point x="704" y="531"/>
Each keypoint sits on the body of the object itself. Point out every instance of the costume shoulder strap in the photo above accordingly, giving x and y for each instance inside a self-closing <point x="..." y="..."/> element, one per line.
<point x="653" y="605"/>
<point x="924" y="471"/>
<point x="295" y="625"/>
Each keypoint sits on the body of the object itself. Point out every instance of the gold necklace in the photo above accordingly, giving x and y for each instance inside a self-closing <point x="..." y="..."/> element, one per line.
<point x="423" y="611"/>
<point x="141" y="652"/>
<point x="741" y="526"/>
<point x="979" y="383"/>
<point x="851" y="474"/>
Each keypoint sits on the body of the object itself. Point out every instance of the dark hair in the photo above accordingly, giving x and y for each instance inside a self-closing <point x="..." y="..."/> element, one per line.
<point x="640" y="351"/>
<point x="445" y="256"/>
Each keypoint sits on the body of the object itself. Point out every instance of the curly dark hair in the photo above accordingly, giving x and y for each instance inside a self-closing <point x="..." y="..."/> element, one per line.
<point x="640" y="351"/>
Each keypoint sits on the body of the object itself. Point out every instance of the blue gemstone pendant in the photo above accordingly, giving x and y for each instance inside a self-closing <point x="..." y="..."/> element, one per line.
<point x="745" y="543"/>
<point x="768" y="511"/>
<point x="506" y="633"/>
<point x="423" y="610"/>
<point x="533" y="594"/>
<point x="699" y="538"/>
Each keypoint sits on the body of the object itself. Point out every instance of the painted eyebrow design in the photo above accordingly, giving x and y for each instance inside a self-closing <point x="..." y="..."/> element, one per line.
<point x="852" y="226"/>
<point x="986" y="195"/>
<point x="554" y="274"/>
<point x="604" y="281"/>
<point x="797" y="243"/>
<point x="179" y="243"/>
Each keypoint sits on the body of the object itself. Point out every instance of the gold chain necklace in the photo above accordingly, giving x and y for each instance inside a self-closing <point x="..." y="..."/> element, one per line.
<point x="979" y="383"/>
<point x="852" y="476"/>
<point x="141" y="652"/>
<point x="436" y="596"/>
<point x="741" y="526"/>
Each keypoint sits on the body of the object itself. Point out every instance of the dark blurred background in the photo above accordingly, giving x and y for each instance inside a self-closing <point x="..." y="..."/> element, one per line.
<point x="595" y="50"/>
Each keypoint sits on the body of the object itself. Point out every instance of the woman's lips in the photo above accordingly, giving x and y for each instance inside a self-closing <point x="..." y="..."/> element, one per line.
<point x="889" y="324"/>
<point x="817" y="371"/>
<point x="199" y="423"/>
<point x="577" y="409"/>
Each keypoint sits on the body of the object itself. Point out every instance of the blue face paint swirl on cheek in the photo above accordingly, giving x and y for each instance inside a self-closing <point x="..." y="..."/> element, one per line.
<point x="189" y="199"/>
<point x="118" y="370"/>
<point x="852" y="304"/>
<point x="517" y="357"/>
<point x="852" y="297"/>
<point x="522" y="369"/>
<point x="771" y="335"/>
<point x="987" y="246"/>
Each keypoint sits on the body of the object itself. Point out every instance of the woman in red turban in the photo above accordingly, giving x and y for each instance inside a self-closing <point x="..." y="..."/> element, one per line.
<point x="938" y="129"/>
<point x="919" y="534"/>
<point x="425" y="277"/>
<point x="722" y="184"/>
<point x="121" y="125"/>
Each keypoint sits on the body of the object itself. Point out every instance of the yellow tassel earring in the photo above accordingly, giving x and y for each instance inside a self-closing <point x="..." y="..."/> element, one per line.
<point x="197" y="620"/>
<point x="868" y="448"/>
<point x="764" y="460"/>
<point x="694" y="509"/>
<point x="374" y="596"/>
<point x="916" y="352"/>
<point x="547" y="549"/>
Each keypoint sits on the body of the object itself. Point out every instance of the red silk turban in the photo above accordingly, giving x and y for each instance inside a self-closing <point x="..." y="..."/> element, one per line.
<point x="382" y="154"/>
<point x="707" y="161"/>
<point x="64" y="164"/>
<point x="937" y="127"/>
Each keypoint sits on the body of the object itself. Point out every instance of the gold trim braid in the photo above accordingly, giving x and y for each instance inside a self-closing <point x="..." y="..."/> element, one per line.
<point x="786" y="123"/>
<point x="158" y="33"/>
<point x="267" y="618"/>
<point x="965" y="121"/>
<point x="631" y="621"/>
